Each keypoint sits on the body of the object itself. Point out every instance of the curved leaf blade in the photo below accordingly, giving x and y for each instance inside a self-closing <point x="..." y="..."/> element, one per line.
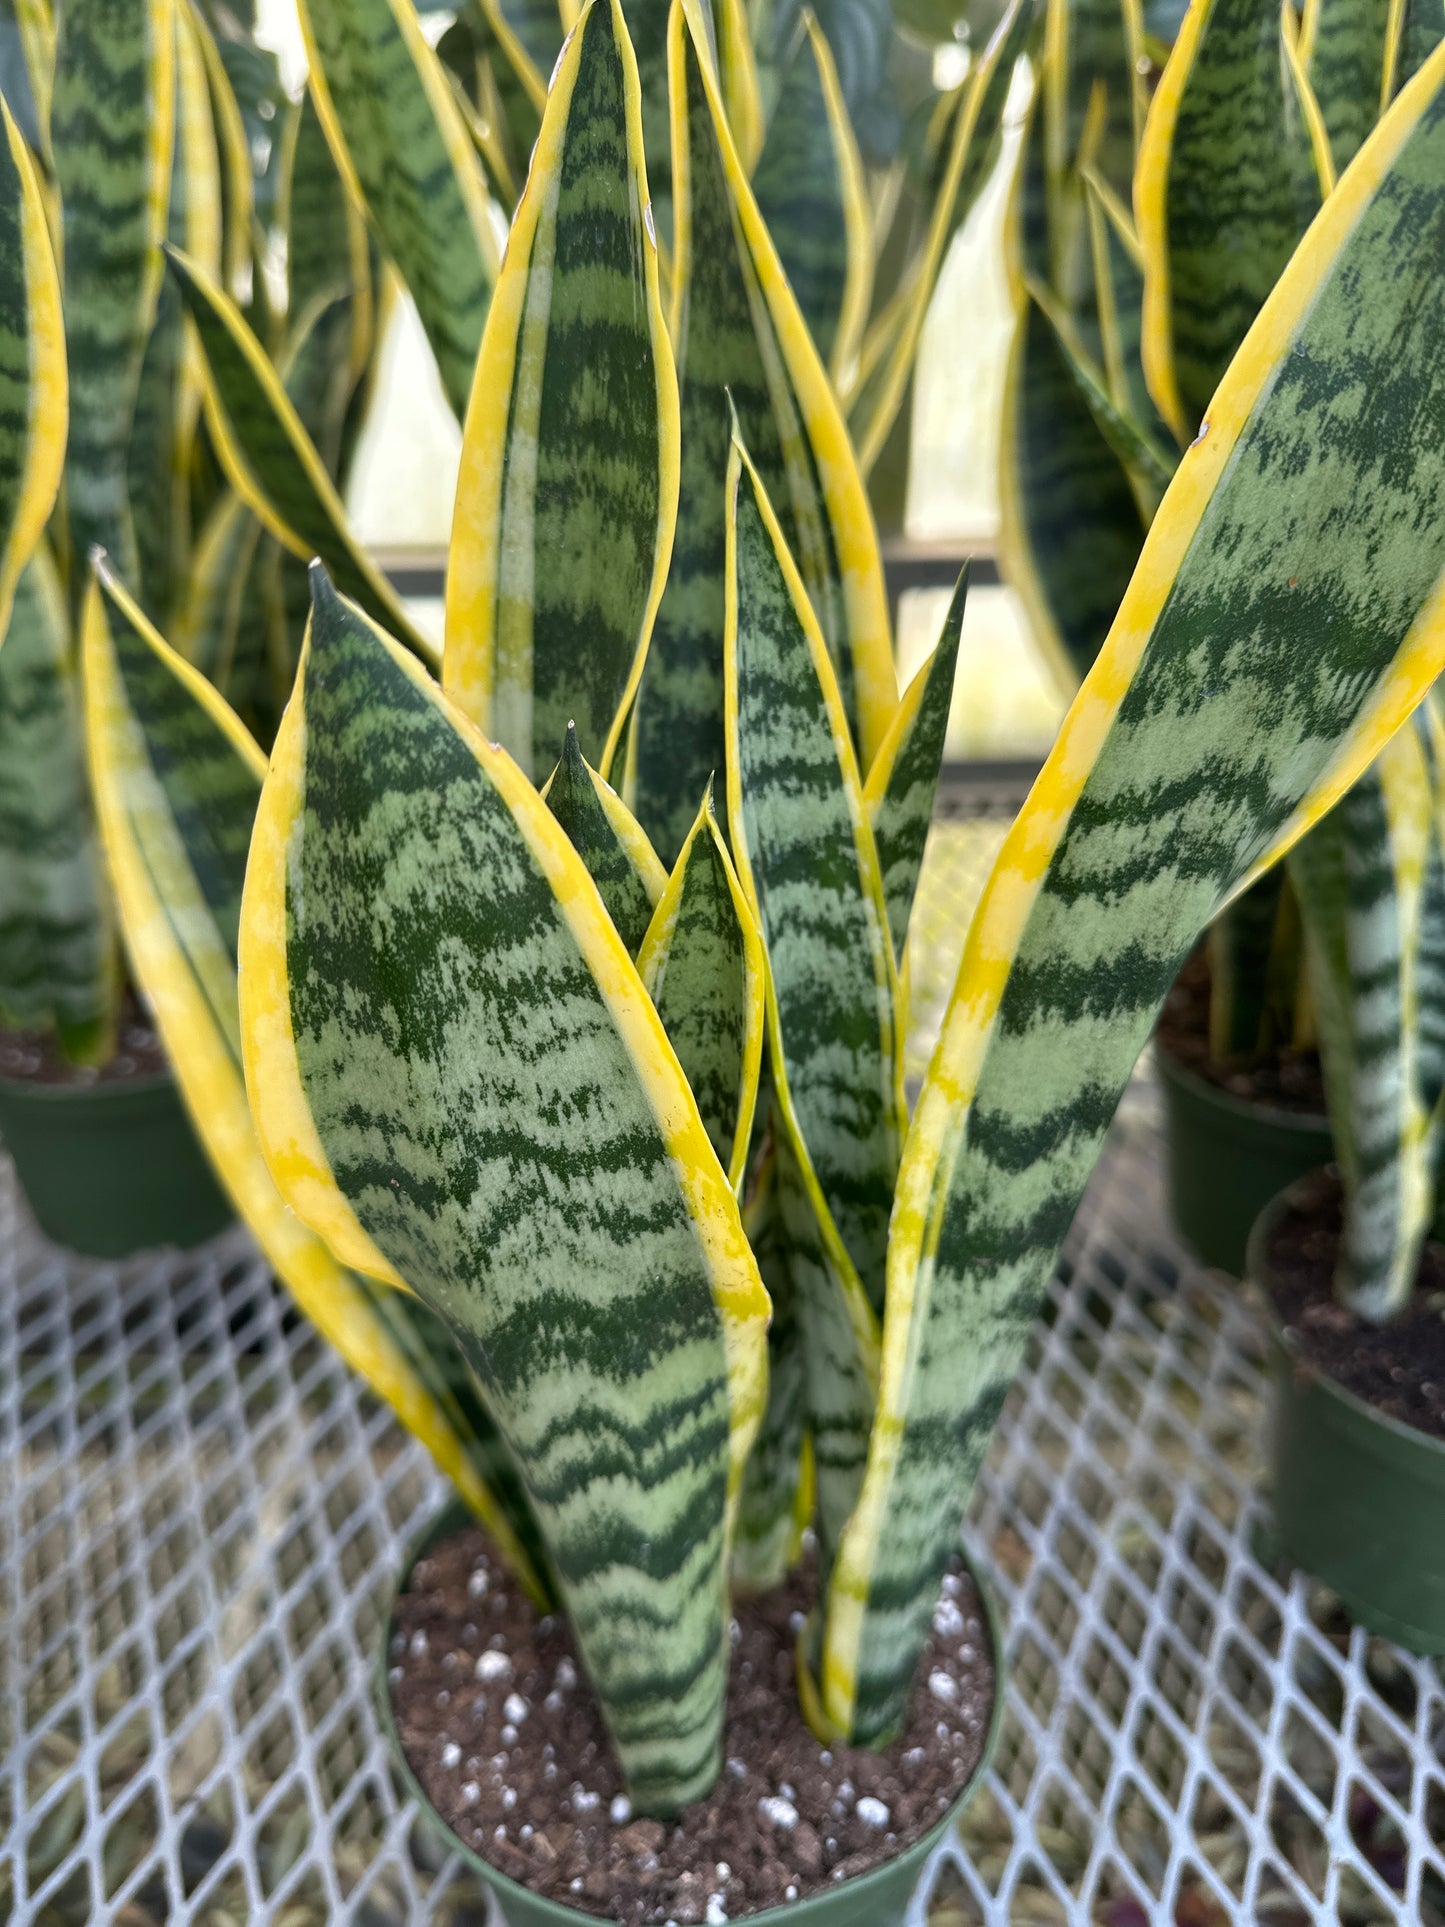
<point x="268" y="457"/>
<point x="427" y="966"/>
<point x="600" y="828"/>
<point x="1286" y="616"/>
<point x="402" y="147"/>
<point x="568" y="490"/>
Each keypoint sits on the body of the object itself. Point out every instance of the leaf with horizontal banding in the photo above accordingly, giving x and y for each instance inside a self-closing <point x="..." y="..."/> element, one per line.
<point x="1415" y="30"/>
<point x="112" y="125"/>
<point x="1086" y="117"/>
<point x="177" y="780"/>
<point x="1119" y="307"/>
<point x="609" y="840"/>
<point x="1149" y="466"/>
<point x="768" y="1506"/>
<point x="33" y="404"/>
<point x="326" y="248"/>
<point x="453" y="1065"/>
<point x="568" y="488"/>
<point x="1241" y="941"/>
<point x="903" y="782"/>
<point x="1219" y="199"/>
<point x="1069" y="525"/>
<point x="57" y="949"/>
<point x="400" y="143"/>
<point x="233" y="141"/>
<point x="27" y="71"/>
<point x="269" y="458"/>
<point x="1286" y="616"/>
<point x="804" y="850"/>
<point x="1343" y="43"/>
<point x="812" y="195"/>
<point x="701" y="961"/>
<point x="741" y="338"/>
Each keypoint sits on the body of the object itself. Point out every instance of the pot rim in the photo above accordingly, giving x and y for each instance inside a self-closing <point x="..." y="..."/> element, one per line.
<point x="1360" y="1409"/>
<point x="453" y="1514"/>
<point x="1309" y="1123"/>
<point x="44" y="1091"/>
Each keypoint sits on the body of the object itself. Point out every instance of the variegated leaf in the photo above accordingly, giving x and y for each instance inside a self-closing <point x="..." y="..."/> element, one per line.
<point x="702" y="964"/>
<point x="57" y="951"/>
<point x="1219" y="198"/>
<point x="1241" y="940"/>
<point x="401" y="145"/>
<point x="1415" y="30"/>
<point x="903" y="782"/>
<point x="33" y="404"/>
<point x="805" y="853"/>
<point x="458" y="1078"/>
<point x="768" y="1508"/>
<point x="177" y="780"/>
<point x="269" y="458"/>
<point x="609" y="840"/>
<point x="812" y="195"/>
<point x="1343" y="44"/>
<point x="113" y="122"/>
<point x="740" y="338"/>
<point x="1285" y="618"/>
<point x="568" y="488"/>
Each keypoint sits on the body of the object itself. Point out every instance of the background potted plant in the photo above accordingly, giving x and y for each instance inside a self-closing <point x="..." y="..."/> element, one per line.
<point x="1346" y="1258"/>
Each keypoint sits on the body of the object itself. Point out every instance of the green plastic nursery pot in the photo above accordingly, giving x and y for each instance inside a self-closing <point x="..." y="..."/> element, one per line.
<point x="111" y="1168"/>
<point x="1225" y="1158"/>
<point x="1359" y="1498"/>
<point x="876" y="1899"/>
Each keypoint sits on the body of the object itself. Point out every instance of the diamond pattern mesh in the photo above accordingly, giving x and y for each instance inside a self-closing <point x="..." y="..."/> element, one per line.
<point x="200" y="1511"/>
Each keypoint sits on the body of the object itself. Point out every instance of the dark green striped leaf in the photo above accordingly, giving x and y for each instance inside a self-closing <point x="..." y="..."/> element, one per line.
<point x="1284" y="620"/>
<point x="436" y="1003"/>
<point x="269" y="458"/>
<point x="1343" y="42"/>
<point x="112" y="121"/>
<point x="767" y="1511"/>
<point x="1241" y="941"/>
<point x="903" y="783"/>
<point x="810" y="191"/>
<point x="57" y="953"/>
<point x="177" y="782"/>
<point x="1416" y="30"/>
<point x="805" y="854"/>
<point x="568" y="487"/>
<point x="1224" y="193"/>
<point x="600" y="828"/>
<point x="702" y="964"/>
<point x="398" y="137"/>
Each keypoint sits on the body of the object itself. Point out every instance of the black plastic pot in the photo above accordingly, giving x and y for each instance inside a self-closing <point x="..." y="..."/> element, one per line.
<point x="1225" y="1158"/>
<point x="876" y="1899"/>
<point x="1359" y="1499"/>
<point x="112" y="1168"/>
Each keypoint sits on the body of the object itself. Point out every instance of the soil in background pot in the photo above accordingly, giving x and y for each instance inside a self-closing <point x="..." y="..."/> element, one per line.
<point x="1398" y="1368"/>
<point x="1283" y="1079"/>
<point x="500" y="1727"/>
<point x="35" y="1057"/>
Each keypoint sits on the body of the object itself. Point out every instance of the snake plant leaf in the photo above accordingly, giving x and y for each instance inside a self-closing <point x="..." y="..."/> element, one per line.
<point x="452" y="1060"/>
<point x="743" y="348"/>
<point x="701" y="962"/>
<point x="1307" y="136"/>
<point x="1119" y="308"/>
<point x="1241" y="941"/>
<point x="609" y="840"/>
<point x="1086" y="111"/>
<point x="27" y="70"/>
<point x="403" y="149"/>
<point x="805" y="854"/>
<point x="811" y="192"/>
<point x="1218" y="196"/>
<point x="568" y="489"/>
<point x="112" y="127"/>
<point x="268" y="457"/>
<point x="1285" y="618"/>
<point x="1360" y="879"/>
<point x="903" y="781"/>
<point x="177" y="780"/>
<point x="1415" y="30"/>
<point x="1343" y="43"/>
<point x="326" y="240"/>
<point x="57" y="950"/>
<point x="875" y="407"/>
<point x="769" y="1503"/>
<point x="33" y="405"/>
<point x="238" y="179"/>
<point x="1150" y="467"/>
<point x="1069" y="524"/>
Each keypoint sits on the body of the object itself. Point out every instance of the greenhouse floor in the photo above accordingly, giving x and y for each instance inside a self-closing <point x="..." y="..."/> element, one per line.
<point x="200" y="1510"/>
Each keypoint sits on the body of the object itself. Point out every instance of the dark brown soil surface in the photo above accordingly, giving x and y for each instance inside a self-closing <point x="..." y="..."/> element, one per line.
<point x="1288" y="1080"/>
<point x="502" y="1730"/>
<point x="35" y="1057"/>
<point x="1398" y="1368"/>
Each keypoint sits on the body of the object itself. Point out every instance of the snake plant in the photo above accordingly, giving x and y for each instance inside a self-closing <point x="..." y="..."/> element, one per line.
<point x="136" y="125"/>
<point x="600" y="1163"/>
